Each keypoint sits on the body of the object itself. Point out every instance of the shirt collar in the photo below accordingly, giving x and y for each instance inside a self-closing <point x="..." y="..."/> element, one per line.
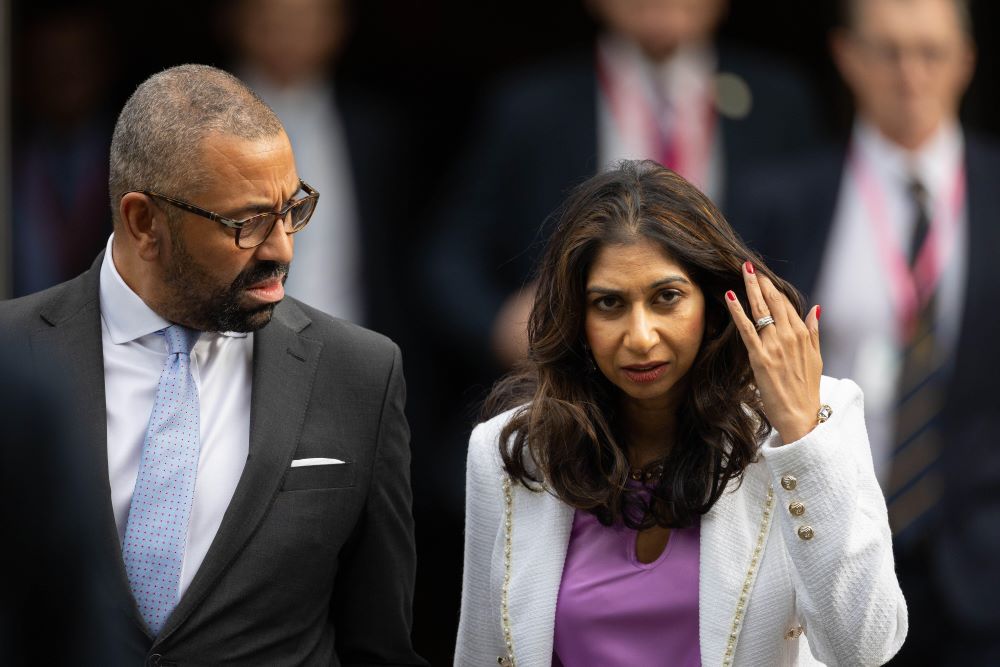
<point x="935" y="163"/>
<point x="691" y="66"/>
<point x="125" y="313"/>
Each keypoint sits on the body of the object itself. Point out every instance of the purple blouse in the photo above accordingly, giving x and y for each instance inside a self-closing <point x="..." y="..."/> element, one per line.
<point x="614" y="610"/>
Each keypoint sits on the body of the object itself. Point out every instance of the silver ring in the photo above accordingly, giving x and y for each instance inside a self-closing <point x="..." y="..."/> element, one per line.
<point x="764" y="321"/>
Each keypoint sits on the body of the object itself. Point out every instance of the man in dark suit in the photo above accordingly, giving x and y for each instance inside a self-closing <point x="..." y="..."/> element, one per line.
<point x="895" y="236"/>
<point x="252" y="450"/>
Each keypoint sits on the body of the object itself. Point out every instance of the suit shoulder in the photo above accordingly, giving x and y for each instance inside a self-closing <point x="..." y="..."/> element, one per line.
<point x="983" y="153"/>
<point x="341" y="332"/>
<point x="760" y="68"/>
<point x="817" y="162"/>
<point x="22" y="309"/>
<point x="29" y="310"/>
<point x="790" y="180"/>
<point x="557" y="84"/>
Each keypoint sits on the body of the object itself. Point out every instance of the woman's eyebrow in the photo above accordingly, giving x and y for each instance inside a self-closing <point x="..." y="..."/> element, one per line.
<point x="596" y="289"/>
<point x="662" y="282"/>
<point x="669" y="280"/>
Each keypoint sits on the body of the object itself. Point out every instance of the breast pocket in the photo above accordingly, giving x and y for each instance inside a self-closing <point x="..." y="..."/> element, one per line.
<point x="335" y="476"/>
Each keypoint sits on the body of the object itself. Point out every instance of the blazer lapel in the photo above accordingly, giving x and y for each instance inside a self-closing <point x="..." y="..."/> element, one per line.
<point x="73" y="341"/>
<point x="284" y="368"/>
<point x="730" y="533"/>
<point x="541" y="529"/>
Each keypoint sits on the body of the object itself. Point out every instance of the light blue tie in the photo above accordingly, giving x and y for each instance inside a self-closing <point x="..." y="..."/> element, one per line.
<point x="164" y="489"/>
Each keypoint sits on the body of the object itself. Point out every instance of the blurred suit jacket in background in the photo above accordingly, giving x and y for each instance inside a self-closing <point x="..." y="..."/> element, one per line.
<point x="58" y="603"/>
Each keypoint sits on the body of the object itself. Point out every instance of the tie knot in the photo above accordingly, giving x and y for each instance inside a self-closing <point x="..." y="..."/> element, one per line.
<point x="180" y="339"/>
<point x="918" y="192"/>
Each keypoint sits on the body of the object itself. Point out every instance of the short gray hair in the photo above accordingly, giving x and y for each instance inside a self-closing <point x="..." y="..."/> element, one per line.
<point x="157" y="139"/>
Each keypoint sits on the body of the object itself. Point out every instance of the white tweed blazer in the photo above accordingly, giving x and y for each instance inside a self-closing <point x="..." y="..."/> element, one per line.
<point x="767" y="596"/>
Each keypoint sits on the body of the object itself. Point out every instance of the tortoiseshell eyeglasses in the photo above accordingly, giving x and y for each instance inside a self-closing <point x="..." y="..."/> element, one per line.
<point x="253" y="231"/>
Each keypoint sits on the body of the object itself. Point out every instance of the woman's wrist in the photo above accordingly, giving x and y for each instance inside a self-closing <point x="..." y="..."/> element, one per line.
<point x="794" y="433"/>
<point x="803" y="424"/>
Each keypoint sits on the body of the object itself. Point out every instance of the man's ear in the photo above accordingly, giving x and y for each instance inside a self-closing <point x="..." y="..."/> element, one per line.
<point x="843" y="54"/>
<point x="144" y="223"/>
<point x="969" y="56"/>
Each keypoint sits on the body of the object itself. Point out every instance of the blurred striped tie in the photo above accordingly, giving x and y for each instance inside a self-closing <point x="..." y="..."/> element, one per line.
<point x="915" y="478"/>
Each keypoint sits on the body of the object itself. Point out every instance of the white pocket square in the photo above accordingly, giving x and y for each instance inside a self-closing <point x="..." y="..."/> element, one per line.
<point x="300" y="463"/>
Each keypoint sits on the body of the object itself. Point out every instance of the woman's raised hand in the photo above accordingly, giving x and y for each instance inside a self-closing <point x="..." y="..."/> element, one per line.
<point x="784" y="355"/>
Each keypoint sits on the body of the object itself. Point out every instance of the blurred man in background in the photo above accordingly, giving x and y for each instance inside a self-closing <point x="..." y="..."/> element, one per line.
<point x="895" y="235"/>
<point x="60" y="159"/>
<point x="287" y="51"/>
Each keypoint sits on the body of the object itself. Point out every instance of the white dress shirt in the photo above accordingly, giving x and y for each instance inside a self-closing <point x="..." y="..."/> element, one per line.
<point x="134" y="355"/>
<point x="647" y="96"/>
<point x="327" y="269"/>
<point x="861" y="330"/>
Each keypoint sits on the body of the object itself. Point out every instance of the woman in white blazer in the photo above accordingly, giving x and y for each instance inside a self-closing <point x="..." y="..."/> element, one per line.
<point x="669" y="480"/>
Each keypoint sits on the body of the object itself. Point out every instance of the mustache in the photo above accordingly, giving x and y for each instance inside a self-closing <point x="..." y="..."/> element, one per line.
<point x="259" y="272"/>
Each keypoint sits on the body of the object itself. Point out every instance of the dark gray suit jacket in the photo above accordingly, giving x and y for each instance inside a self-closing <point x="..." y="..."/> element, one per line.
<point x="311" y="565"/>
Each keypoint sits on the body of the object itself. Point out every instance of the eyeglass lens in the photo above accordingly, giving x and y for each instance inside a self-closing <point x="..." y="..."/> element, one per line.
<point x="257" y="229"/>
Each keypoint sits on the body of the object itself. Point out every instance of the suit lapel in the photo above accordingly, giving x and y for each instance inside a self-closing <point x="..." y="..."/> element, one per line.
<point x="730" y="533"/>
<point x="980" y="318"/>
<point x="73" y="341"/>
<point x="284" y="368"/>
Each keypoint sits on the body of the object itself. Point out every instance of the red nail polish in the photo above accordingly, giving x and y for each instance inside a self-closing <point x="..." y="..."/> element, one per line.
<point x="731" y="295"/>
<point x="748" y="266"/>
<point x="818" y="310"/>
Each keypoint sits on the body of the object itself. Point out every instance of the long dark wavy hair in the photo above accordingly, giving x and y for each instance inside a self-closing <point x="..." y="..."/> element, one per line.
<point x="565" y="434"/>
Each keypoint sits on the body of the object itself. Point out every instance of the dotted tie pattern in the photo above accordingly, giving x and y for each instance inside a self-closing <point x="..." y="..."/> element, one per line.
<point x="164" y="489"/>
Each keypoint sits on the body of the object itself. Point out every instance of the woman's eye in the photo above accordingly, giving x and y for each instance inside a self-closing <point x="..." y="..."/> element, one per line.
<point x="668" y="296"/>
<point x="606" y="303"/>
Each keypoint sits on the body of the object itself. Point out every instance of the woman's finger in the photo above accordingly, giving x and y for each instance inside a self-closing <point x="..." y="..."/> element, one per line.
<point x="812" y="324"/>
<point x="758" y="305"/>
<point x="777" y="303"/>
<point x="794" y="319"/>
<point x="743" y="323"/>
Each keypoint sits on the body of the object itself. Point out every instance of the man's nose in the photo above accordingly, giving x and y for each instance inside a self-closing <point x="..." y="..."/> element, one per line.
<point x="278" y="246"/>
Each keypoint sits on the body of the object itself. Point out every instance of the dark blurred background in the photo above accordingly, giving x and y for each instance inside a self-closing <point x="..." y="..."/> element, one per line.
<point x="70" y="66"/>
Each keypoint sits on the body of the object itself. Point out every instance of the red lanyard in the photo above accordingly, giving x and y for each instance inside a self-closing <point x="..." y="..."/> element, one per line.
<point x="911" y="289"/>
<point x="669" y="150"/>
